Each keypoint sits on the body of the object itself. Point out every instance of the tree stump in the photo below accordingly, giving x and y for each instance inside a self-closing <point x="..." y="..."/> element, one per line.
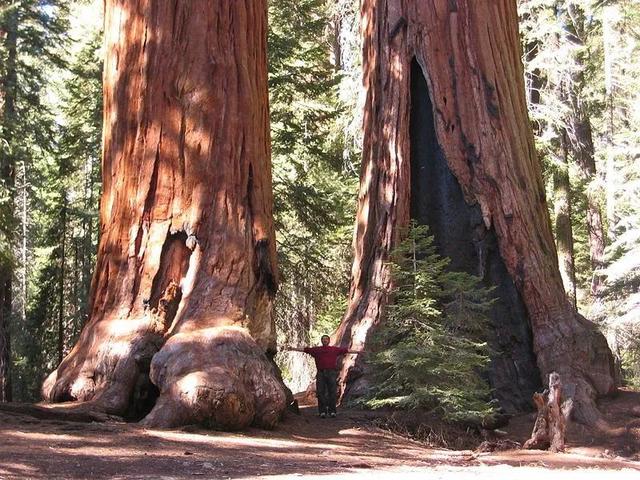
<point x="553" y="416"/>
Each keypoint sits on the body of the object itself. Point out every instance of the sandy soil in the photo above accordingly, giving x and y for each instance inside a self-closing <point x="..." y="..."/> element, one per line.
<point x="304" y="446"/>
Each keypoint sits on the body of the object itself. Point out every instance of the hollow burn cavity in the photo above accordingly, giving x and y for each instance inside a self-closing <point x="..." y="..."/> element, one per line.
<point x="164" y="301"/>
<point x="144" y="394"/>
<point x="459" y="233"/>
<point x="265" y="277"/>
<point x="174" y="263"/>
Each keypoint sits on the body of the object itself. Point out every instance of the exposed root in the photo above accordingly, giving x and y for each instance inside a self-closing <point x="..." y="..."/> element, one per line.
<point x="218" y="377"/>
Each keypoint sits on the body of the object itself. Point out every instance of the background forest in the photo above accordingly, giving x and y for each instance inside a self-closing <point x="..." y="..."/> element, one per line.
<point x="582" y="63"/>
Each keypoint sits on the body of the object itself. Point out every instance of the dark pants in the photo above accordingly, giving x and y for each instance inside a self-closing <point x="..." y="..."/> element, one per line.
<point x="326" y="390"/>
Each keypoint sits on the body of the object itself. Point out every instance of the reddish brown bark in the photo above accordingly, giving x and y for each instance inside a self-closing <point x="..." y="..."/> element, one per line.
<point x="185" y="273"/>
<point x="470" y="56"/>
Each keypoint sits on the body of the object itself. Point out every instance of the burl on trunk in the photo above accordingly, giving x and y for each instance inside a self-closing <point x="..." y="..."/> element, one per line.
<point x="186" y="272"/>
<point x="448" y="143"/>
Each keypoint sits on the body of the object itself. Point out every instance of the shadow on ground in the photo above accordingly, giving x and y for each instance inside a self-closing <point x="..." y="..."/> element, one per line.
<point x="302" y="445"/>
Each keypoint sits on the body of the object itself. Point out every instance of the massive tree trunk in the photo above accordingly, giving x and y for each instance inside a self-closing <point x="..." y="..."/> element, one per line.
<point x="186" y="273"/>
<point x="450" y="144"/>
<point x="9" y="36"/>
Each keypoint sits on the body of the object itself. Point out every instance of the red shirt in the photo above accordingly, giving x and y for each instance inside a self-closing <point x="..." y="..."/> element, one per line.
<point x="326" y="357"/>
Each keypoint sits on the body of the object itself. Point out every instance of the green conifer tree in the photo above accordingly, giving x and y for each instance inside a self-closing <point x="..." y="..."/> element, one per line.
<point x="432" y="352"/>
<point x="314" y="178"/>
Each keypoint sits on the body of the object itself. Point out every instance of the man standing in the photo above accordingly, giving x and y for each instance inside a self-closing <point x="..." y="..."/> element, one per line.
<point x="326" y="358"/>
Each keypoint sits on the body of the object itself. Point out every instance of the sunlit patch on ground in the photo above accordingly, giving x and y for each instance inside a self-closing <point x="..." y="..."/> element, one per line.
<point x="302" y="446"/>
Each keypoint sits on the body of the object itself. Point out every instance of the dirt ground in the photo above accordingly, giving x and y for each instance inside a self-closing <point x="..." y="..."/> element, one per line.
<point x="308" y="447"/>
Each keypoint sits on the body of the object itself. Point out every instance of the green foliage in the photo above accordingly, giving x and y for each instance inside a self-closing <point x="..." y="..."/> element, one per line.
<point x="619" y="312"/>
<point x="592" y="48"/>
<point x="313" y="176"/>
<point x="52" y="143"/>
<point x="32" y="52"/>
<point x="562" y="42"/>
<point x="313" y="66"/>
<point x="60" y="206"/>
<point x="431" y="351"/>
<point x="623" y="118"/>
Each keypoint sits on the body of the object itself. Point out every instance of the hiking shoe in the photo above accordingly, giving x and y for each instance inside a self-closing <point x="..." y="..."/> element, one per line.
<point x="323" y="415"/>
<point x="332" y="414"/>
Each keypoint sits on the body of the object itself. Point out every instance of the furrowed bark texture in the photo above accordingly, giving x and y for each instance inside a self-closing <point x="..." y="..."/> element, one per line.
<point x="185" y="273"/>
<point x="468" y="56"/>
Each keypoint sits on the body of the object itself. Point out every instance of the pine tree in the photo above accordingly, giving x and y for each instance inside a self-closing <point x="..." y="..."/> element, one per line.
<point x="8" y="94"/>
<point x="33" y="41"/>
<point x="67" y="215"/>
<point x="432" y="344"/>
<point x="620" y="312"/>
<point x="562" y="43"/>
<point x="314" y="177"/>
<point x="586" y="54"/>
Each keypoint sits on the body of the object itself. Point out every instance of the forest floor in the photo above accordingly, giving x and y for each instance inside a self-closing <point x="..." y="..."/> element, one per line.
<point x="305" y="446"/>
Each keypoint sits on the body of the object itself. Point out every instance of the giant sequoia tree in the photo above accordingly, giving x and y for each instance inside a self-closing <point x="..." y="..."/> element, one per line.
<point x="448" y="143"/>
<point x="185" y="273"/>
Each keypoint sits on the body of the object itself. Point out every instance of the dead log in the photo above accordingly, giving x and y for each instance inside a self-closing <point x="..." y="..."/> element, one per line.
<point x="550" y="427"/>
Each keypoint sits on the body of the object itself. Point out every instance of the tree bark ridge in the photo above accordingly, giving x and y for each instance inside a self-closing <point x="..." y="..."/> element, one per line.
<point x="187" y="251"/>
<point x="470" y="56"/>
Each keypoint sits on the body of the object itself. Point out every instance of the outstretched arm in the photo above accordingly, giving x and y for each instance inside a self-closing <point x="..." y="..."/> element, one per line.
<point x="355" y="351"/>
<point x="292" y="349"/>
